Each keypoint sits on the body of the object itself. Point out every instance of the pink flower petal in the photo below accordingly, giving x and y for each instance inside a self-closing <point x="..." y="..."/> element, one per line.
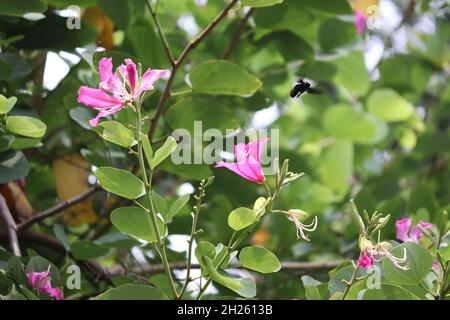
<point x="360" y="22"/>
<point x="149" y="78"/>
<point x="236" y="169"/>
<point x="402" y="227"/>
<point x="97" y="98"/>
<point x="94" y="122"/>
<point x="105" y="67"/>
<point x="132" y="74"/>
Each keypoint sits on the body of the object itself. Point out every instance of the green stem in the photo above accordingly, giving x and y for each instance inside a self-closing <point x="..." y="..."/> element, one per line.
<point x="352" y="281"/>
<point x="242" y="236"/>
<point x="147" y="183"/>
<point x="195" y="215"/>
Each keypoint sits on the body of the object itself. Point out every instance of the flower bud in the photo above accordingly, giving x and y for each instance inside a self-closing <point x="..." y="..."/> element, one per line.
<point x="364" y="243"/>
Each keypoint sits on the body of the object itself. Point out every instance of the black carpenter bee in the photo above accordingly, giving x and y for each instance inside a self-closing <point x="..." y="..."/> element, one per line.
<point x="301" y="87"/>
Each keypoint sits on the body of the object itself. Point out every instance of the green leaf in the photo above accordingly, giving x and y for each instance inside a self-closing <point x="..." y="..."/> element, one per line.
<point x="160" y="205"/>
<point x="185" y="112"/>
<point x="204" y="249"/>
<point x="241" y="218"/>
<point x="59" y="232"/>
<point x="84" y="250"/>
<point x="26" y="126"/>
<point x="259" y="259"/>
<point x="15" y="267"/>
<point x="419" y="260"/>
<point x="389" y="106"/>
<point x="115" y="132"/>
<point x="387" y="292"/>
<point x="20" y="7"/>
<point x="245" y="287"/>
<point x="260" y="3"/>
<point x="82" y="116"/>
<point x="177" y="205"/>
<point x="132" y="292"/>
<point x="352" y="73"/>
<point x="6" y="104"/>
<point x="147" y="146"/>
<point x="344" y="122"/>
<point x="314" y="290"/>
<point x="20" y="143"/>
<point x="223" y="77"/>
<point x="334" y="33"/>
<point x="337" y="166"/>
<point x="136" y="222"/>
<point x="13" y="165"/>
<point x="162" y="153"/>
<point x="120" y="182"/>
<point x="117" y="10"/>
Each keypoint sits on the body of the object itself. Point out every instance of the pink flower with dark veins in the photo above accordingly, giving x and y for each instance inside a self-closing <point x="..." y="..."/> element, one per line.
<point x="41" y="282"/>
<point x="248" y="163"/>
<point x="117" y="90"/>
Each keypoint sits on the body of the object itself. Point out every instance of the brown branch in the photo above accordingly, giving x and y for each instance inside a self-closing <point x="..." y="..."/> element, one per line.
<point x="11" y="227"/>
<point x="176" y="65"/>
<point x="237" y="36"/>
<point x="58" y="208"/>
<point x="285" y="266"/>
<point x="161" y="34"/>
<point x="52" y="243"/>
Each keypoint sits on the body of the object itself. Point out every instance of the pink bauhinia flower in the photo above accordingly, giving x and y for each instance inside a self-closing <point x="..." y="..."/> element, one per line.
<point x="41" y="282"/>
<point x="406" y="233"/>
<point x="117" y="90"/>
<point x="366" y="260"/>
<point x="248" y="164"/>
<point x="360" y="22"/>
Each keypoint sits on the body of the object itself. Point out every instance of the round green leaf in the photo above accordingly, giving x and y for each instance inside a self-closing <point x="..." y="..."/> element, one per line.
<point x="387" y="292"/>
<point x="6" y="104"/>
<point x="132" y="292"/>
<point x="223" y="77"/>
<point x="245" y="287"/>
<point x="334" y="33"/>
<point x="26" y="126"/>
<point x="115" y="132"/>
<point x="420" y="262"/>
<point x="135" y="222"/>
<point x="259" y="259"/>
<point x="120" y="182"/>
<point x="241" y="218"/>
<point x="343" y="121"/>
<point x="389" y="106"/>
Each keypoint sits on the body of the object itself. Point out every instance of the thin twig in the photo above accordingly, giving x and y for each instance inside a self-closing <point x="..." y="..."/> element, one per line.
<point x="166" y="45"/>
<point x="10" y="226"/>
<point x="58" y="208"/>
<point x="192" y="45"/>
<point x="237" y="35"/>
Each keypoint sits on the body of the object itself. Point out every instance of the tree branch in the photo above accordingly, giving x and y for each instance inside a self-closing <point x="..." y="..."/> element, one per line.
<point x="192" y="45"/>
<point x="58" y="208"/>
<point x="52" y="243"/>
<point x="237" y="35"/>
<point x="161" y="34"/>
<point x="285" y="266"/>
<point x="11" y="227"/>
